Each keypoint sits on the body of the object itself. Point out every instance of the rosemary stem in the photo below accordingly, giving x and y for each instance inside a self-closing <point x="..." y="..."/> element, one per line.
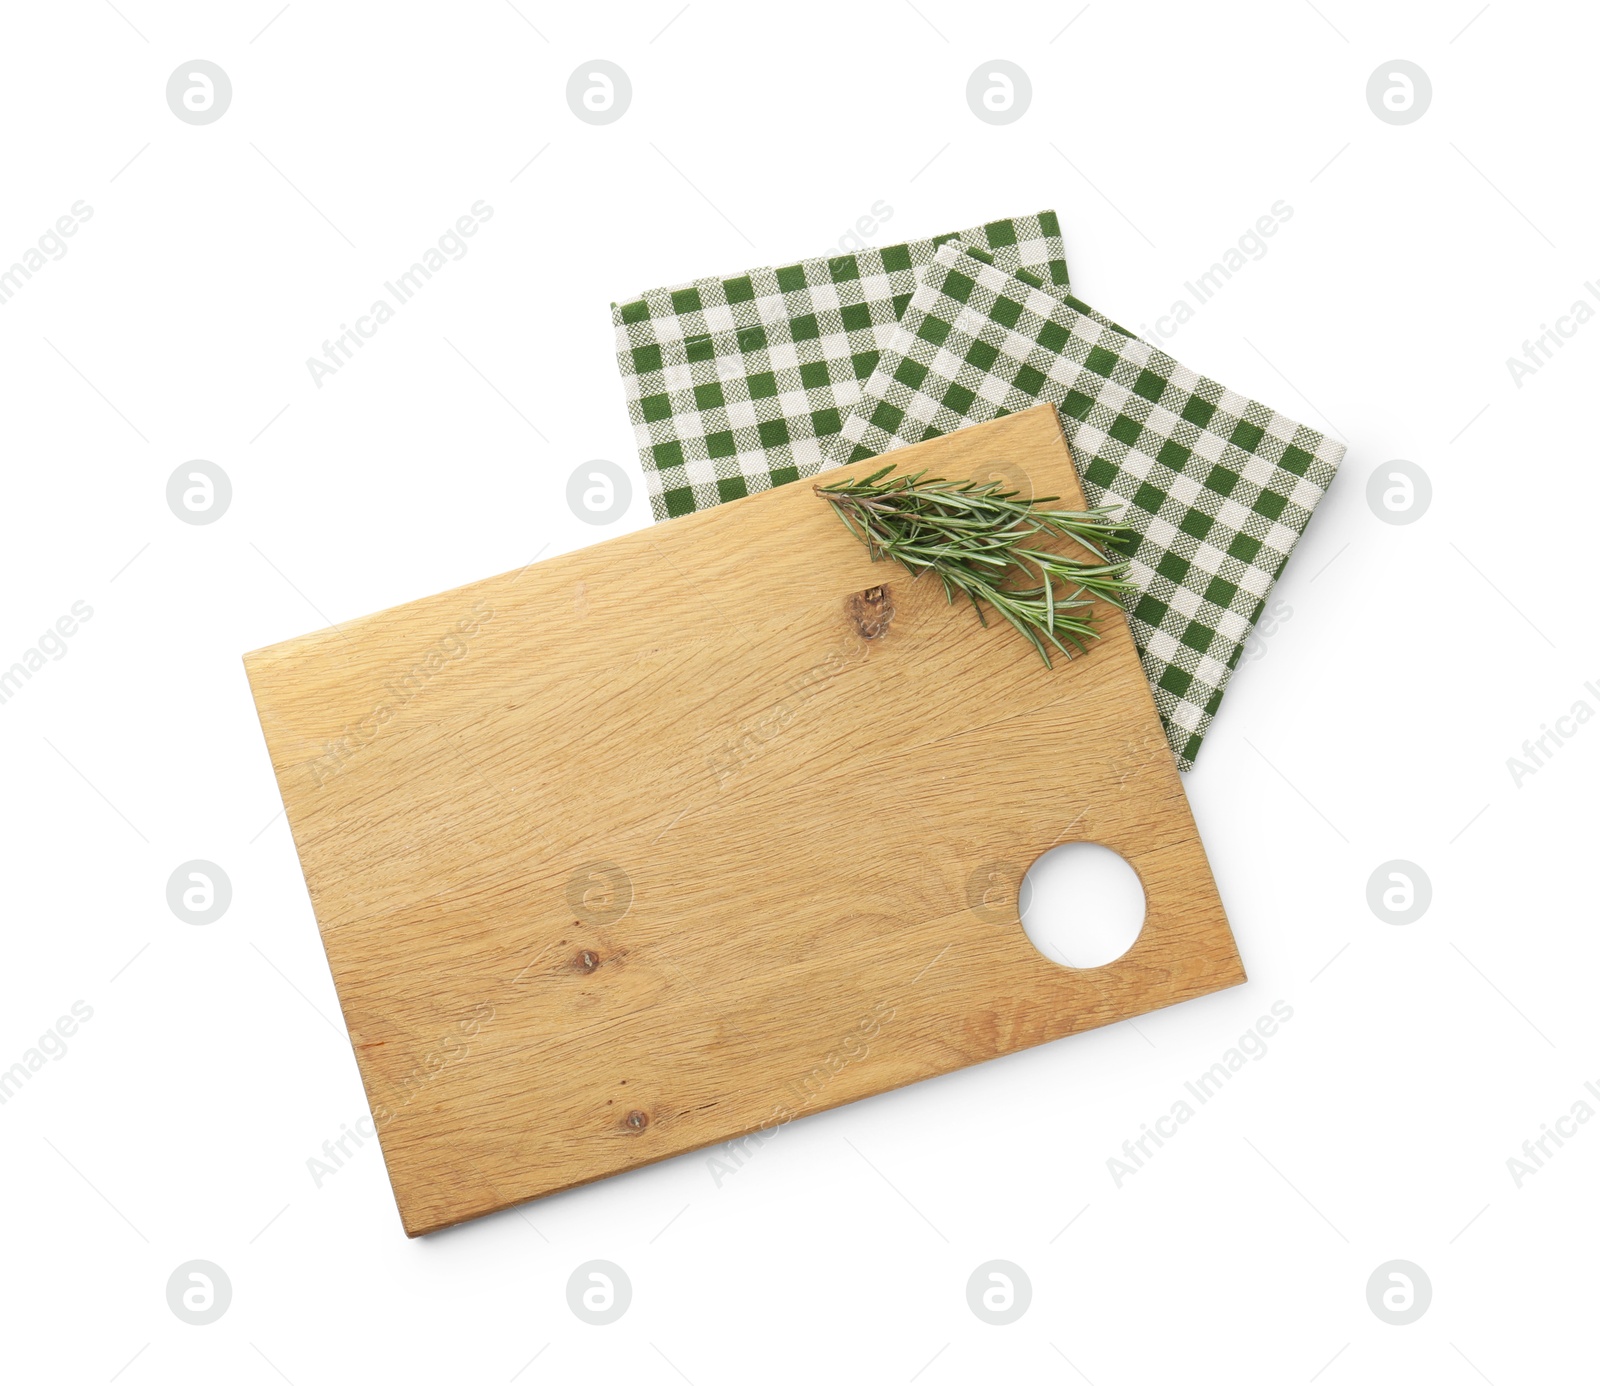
<point x="980" y="540"/>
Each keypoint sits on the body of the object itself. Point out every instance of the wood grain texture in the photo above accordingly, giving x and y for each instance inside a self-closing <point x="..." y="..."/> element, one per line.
<point x="686" y="834"/>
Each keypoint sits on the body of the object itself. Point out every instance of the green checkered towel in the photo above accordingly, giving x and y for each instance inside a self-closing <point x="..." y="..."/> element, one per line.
<point x="1215" y="487"/>
<point x="734" y="384"/>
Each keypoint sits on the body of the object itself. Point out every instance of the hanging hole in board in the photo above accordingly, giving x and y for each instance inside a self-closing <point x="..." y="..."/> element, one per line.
<point x="1082" y="905"/>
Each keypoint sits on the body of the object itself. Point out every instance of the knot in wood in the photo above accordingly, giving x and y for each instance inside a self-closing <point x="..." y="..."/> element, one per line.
<point x="872" y="611"/>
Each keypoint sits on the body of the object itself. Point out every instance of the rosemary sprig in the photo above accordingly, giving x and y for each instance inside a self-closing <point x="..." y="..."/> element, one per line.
<point x="980" y="540"/>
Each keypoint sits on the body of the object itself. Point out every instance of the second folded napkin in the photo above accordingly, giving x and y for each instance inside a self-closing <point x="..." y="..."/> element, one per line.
<point x="1217" y="488"/>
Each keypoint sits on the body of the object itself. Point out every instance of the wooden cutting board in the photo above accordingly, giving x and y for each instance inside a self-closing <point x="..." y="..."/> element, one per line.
<point x="692" y="832"/>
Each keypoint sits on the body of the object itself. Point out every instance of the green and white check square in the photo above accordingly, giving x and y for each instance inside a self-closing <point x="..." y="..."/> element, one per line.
<point x="1215" y="487"/>
<point x="734" y="384"/>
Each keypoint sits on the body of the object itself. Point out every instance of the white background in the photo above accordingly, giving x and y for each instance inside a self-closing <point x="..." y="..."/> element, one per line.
<point x="1376" y="723"/>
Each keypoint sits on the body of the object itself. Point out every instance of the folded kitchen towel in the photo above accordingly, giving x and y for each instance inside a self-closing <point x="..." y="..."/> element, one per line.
<point x="733" y="384"/>
<point x="1215" y="487"/>
<point x="736" y="385"/>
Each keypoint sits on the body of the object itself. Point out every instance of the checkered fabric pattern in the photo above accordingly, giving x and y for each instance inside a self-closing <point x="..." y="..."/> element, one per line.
<point x="1215" y="487"/>
<point x="734" y="384"/>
